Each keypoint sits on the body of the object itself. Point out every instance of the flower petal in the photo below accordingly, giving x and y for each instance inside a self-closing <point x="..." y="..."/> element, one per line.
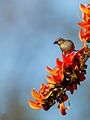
<point x="62" y="109"/>
<point x="85" y="17"/>
<point x="84" y="24"/>
<point x="34" y="105"/>
<point x="83" y="8"/>
<point x="84" y="35"/>
<point x="36" y="95"/>
<point x="81" y="32"/>
<point x="88" y="5"/>
<point x="50" y="80"/>
<point x="50" y="71"/>
<point x="58" y="63"/>
<point x="59" y="78"/>
<point x="68" y="59"/>
<point x="61" y="75"/>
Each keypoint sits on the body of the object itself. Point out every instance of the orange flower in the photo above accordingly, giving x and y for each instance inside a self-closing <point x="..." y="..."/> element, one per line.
<point x="62" y="108"/>
<point x="57" y="73"/>
<point x="55" y="79"/>
<point x="39" y="96"/>
<point x="36" y="95"/>
<point x="58" y="63"/>
<point x="38" y="104"/>
<point x="34" y="105"/>
<point x="85" y="9"/>
<point x="50" y="80"/>
<point x="67" y="74"/>
<point x="83" y="35"/>
<point x="85" y="24"/>
<point x="52" y="72"/>
<point x="68" y="60"/>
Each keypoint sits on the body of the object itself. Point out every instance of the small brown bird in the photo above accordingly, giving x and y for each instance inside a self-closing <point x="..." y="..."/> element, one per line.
<point x="67" y="46"/>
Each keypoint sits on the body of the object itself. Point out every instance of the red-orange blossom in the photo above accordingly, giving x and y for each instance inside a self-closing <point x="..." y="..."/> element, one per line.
<point x="67" y="74"/>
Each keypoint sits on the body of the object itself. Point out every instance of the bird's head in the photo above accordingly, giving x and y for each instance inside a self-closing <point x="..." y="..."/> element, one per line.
<point x="59" y="41"/>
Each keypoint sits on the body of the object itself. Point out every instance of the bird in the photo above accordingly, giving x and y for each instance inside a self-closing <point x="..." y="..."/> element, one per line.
<point x="66" y="46"/>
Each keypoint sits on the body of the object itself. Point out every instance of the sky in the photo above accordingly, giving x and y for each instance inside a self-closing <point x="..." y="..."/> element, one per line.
<point x="28" y="29"/>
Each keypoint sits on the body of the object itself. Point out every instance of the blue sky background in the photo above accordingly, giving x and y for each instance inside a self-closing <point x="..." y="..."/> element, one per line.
<point x="28" y="29"/>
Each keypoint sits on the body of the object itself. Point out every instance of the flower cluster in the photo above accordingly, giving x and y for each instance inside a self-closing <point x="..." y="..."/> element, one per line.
<point x="85" y="24"/>
<point x="66" y="75"/>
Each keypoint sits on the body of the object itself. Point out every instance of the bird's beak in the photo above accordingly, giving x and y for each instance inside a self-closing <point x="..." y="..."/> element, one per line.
<point x="56" y="42"/>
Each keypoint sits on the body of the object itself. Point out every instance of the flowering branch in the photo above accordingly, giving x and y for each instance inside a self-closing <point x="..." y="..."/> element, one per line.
<point x="67" y="74"/>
